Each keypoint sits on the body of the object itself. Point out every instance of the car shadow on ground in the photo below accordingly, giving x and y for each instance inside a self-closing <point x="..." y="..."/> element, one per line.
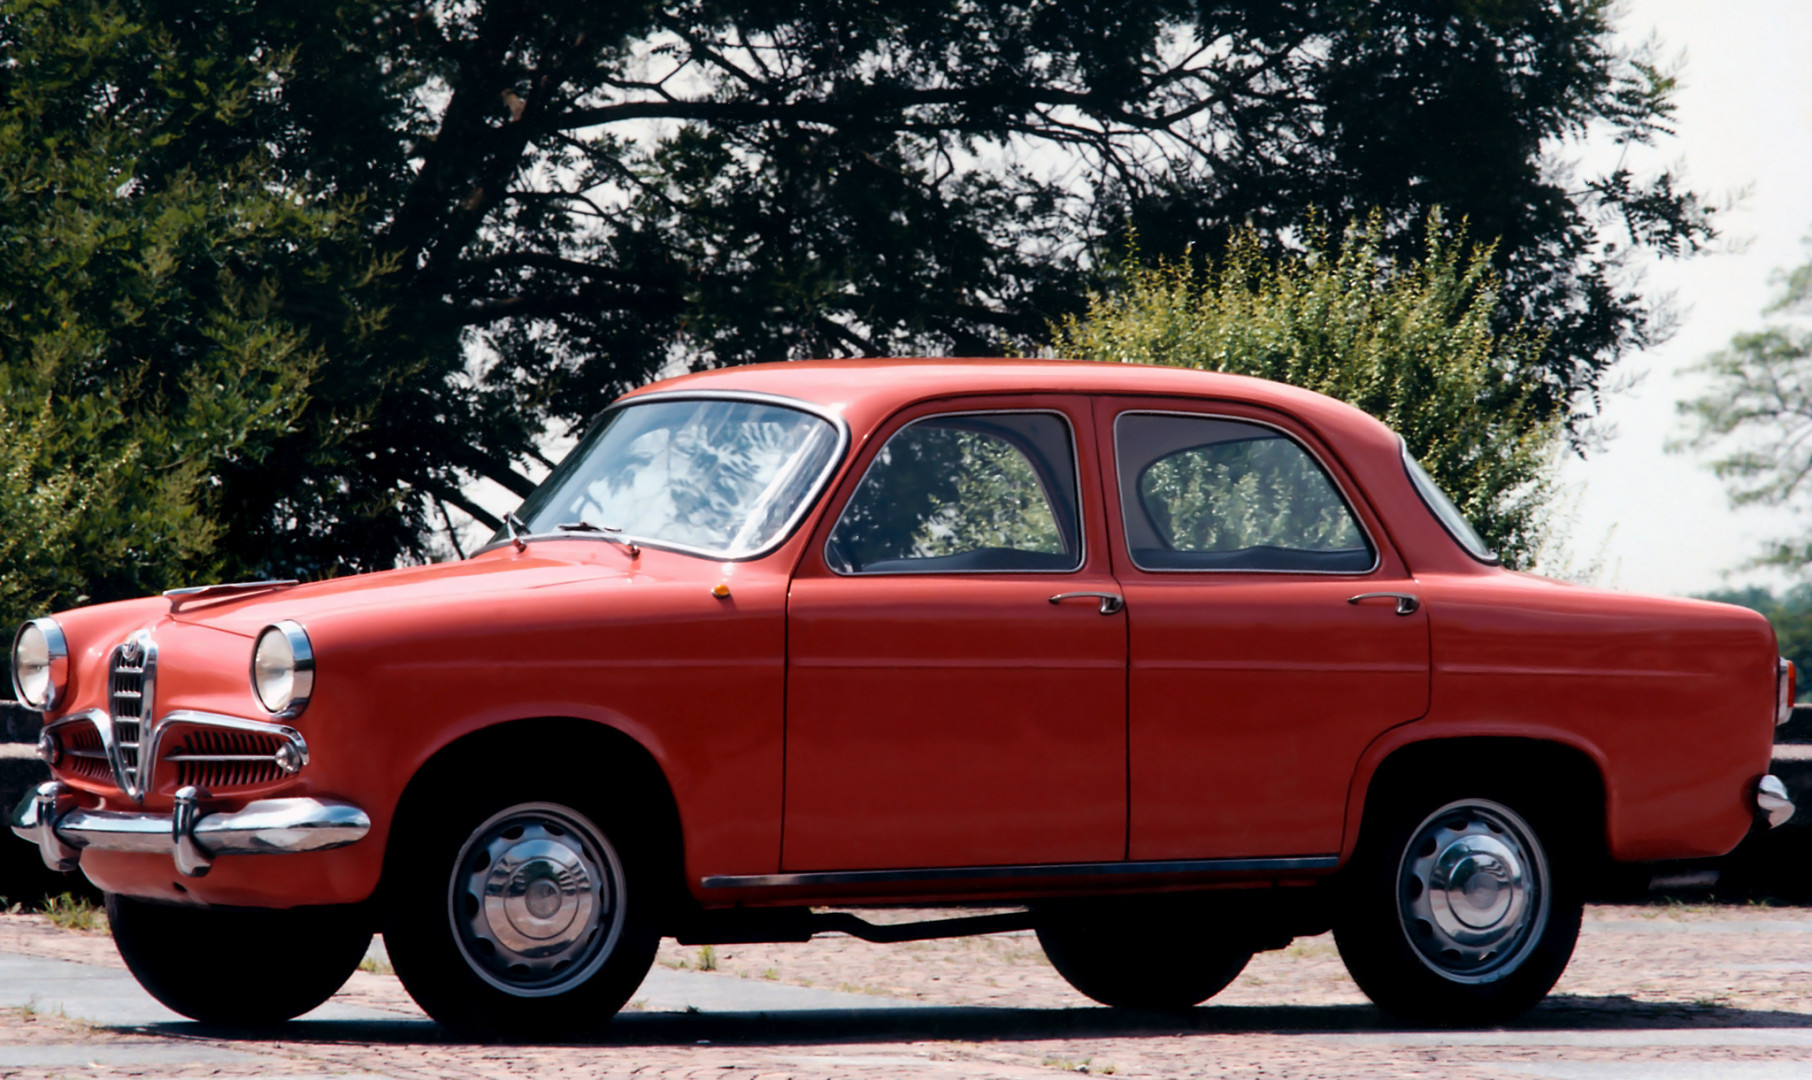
<point x="980" y="1024"/>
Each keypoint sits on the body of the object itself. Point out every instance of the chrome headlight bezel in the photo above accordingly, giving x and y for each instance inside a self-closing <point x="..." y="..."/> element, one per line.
<point x="56" y="666"/>
<point x="299" y="665"/>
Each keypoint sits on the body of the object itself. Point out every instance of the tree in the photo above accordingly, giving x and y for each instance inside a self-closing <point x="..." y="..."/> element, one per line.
<point x="567" y="197"/>
<point x="1413" y="344"/>
<point x="140" y="352"/>
<point x="1757" y="414"/>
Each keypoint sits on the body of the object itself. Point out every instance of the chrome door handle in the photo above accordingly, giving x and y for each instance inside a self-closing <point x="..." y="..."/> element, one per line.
<point x="1406" y="604"/>
<point x="1110" y="602"/>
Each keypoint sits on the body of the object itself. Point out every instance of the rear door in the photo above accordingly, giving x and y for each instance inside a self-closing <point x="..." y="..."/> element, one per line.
<point x="1273" y="632"/>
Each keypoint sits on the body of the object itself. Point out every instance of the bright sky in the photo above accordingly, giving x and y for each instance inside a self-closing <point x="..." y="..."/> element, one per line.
<point x="1660" y="522"/>
<point x="1641" y="518"/>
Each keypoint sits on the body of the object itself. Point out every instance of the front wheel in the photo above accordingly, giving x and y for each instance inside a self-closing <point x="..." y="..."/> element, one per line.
<point x="523" y="917"/>
<point x="1458" y="912"/>
<point x="194" y="960"/>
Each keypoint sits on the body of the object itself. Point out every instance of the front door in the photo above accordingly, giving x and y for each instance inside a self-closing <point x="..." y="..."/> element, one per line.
<point x="956" y="680"/>
<point x="1274" y="634"/>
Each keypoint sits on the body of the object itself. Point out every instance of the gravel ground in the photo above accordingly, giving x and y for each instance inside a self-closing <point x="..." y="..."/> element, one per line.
<point x="1654" y="991"/>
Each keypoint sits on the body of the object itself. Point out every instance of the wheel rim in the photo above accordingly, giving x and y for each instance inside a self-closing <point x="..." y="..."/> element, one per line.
<point x="1472" y="891"/>
<point x="536" y="900"/>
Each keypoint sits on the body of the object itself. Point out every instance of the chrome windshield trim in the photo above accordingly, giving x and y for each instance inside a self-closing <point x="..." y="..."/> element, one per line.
<point x="831" y="467"/>
<point x="1075" y="477"/>
<point x="1345" y="497"/>
<point x="959" y="874"/>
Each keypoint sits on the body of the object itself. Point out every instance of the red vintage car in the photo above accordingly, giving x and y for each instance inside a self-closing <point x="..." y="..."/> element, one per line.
<point x="1142" y="651"/>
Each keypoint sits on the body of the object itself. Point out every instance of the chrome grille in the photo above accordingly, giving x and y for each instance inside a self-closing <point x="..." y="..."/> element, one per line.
<point x="215" y="758"/>
<point x="130" y="682"/>
<point x="83" y="753"/>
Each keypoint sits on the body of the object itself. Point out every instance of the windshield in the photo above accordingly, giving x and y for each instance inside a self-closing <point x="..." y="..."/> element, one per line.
<point x="718" y="477"/>
<point x="1449" y="515"/>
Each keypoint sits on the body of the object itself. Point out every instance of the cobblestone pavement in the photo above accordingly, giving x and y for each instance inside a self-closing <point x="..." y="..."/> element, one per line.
<point x="1669" y="992"/>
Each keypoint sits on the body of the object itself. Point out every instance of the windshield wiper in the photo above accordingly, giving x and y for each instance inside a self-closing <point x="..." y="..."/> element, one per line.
<point x="604" y="533"/>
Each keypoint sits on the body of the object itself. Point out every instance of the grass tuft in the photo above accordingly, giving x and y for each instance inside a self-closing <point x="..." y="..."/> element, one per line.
<point x="68" y="912"/>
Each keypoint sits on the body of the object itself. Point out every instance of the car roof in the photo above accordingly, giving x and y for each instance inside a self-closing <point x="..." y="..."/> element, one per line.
<point x="871" y="387"/>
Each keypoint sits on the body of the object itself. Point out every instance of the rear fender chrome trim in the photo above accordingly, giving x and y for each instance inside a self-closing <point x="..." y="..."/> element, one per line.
<point x="1041" y="872"/>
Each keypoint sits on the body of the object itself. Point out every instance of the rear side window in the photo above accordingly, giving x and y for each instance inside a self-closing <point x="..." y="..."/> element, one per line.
<point x="1445" y="511"/>
<point x="1208" y="493"/>
<point x="985" y="492"/>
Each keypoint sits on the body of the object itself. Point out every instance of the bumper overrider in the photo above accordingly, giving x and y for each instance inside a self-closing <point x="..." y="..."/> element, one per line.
<point x="51" y="818"/>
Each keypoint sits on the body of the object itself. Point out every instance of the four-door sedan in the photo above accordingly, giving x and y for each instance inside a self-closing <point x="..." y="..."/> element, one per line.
<point x="1184" y="664"/>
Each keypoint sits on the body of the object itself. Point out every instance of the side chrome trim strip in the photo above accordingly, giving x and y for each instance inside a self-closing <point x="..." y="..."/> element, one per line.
<point x="955" y="874"/>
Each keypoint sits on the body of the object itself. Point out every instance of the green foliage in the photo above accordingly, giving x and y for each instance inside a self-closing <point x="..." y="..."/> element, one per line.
<point x="142" y="351"/>
<point x="938" y="489"/>
<point x="1791" y="614"/>
<point x="1757" y="414"/>
<point x="1251" y="493"/>
<point x="69" y="912"/>
<point x="542" y="205"/>
<point x="1413" y="344"/>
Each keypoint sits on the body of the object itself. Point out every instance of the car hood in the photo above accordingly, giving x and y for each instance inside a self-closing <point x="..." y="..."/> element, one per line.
<point x="488" y="577"/>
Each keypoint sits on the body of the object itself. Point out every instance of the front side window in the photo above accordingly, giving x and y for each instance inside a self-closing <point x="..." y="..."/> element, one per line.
<point x="722" y="477"/>
<point x="1208" y="493"/>
<point x="975" y="492"/>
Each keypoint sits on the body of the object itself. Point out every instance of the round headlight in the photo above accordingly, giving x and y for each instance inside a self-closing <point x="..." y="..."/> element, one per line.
<point x="40" y="664"/>
<point x="283" y="669"/>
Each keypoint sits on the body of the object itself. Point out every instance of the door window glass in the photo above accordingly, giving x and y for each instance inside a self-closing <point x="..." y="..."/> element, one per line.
<point x="977" y="492"/>
<point x="1205" y="493"/>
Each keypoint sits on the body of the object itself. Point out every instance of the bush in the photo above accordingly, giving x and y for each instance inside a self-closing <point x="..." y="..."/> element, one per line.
<point x="1414" y="345"/>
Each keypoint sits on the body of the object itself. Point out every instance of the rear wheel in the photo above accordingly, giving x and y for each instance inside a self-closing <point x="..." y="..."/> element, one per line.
<point x="1142" y="954"/>
<point x="1459" y="910"/>
<point x="194" y="959"/>
<point x="525" y="916"/>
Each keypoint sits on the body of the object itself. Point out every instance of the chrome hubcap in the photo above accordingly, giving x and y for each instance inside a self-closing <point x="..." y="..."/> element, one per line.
<point x="536" y="899"/>
<point x="1473" y="891"/>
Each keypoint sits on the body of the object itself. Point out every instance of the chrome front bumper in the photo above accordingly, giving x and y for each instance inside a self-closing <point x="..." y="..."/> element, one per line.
<point x="50" y="818"/>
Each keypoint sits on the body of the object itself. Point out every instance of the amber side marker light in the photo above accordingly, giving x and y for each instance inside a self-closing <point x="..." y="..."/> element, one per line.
<point x="1789" y="689"/>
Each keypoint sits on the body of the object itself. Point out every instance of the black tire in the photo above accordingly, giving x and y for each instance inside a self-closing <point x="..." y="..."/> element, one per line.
<point x="539" y="854"/>
<point x="195" y="960"/>
<point x="1462" y="907"/>
<point x="1141" y="954"/>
